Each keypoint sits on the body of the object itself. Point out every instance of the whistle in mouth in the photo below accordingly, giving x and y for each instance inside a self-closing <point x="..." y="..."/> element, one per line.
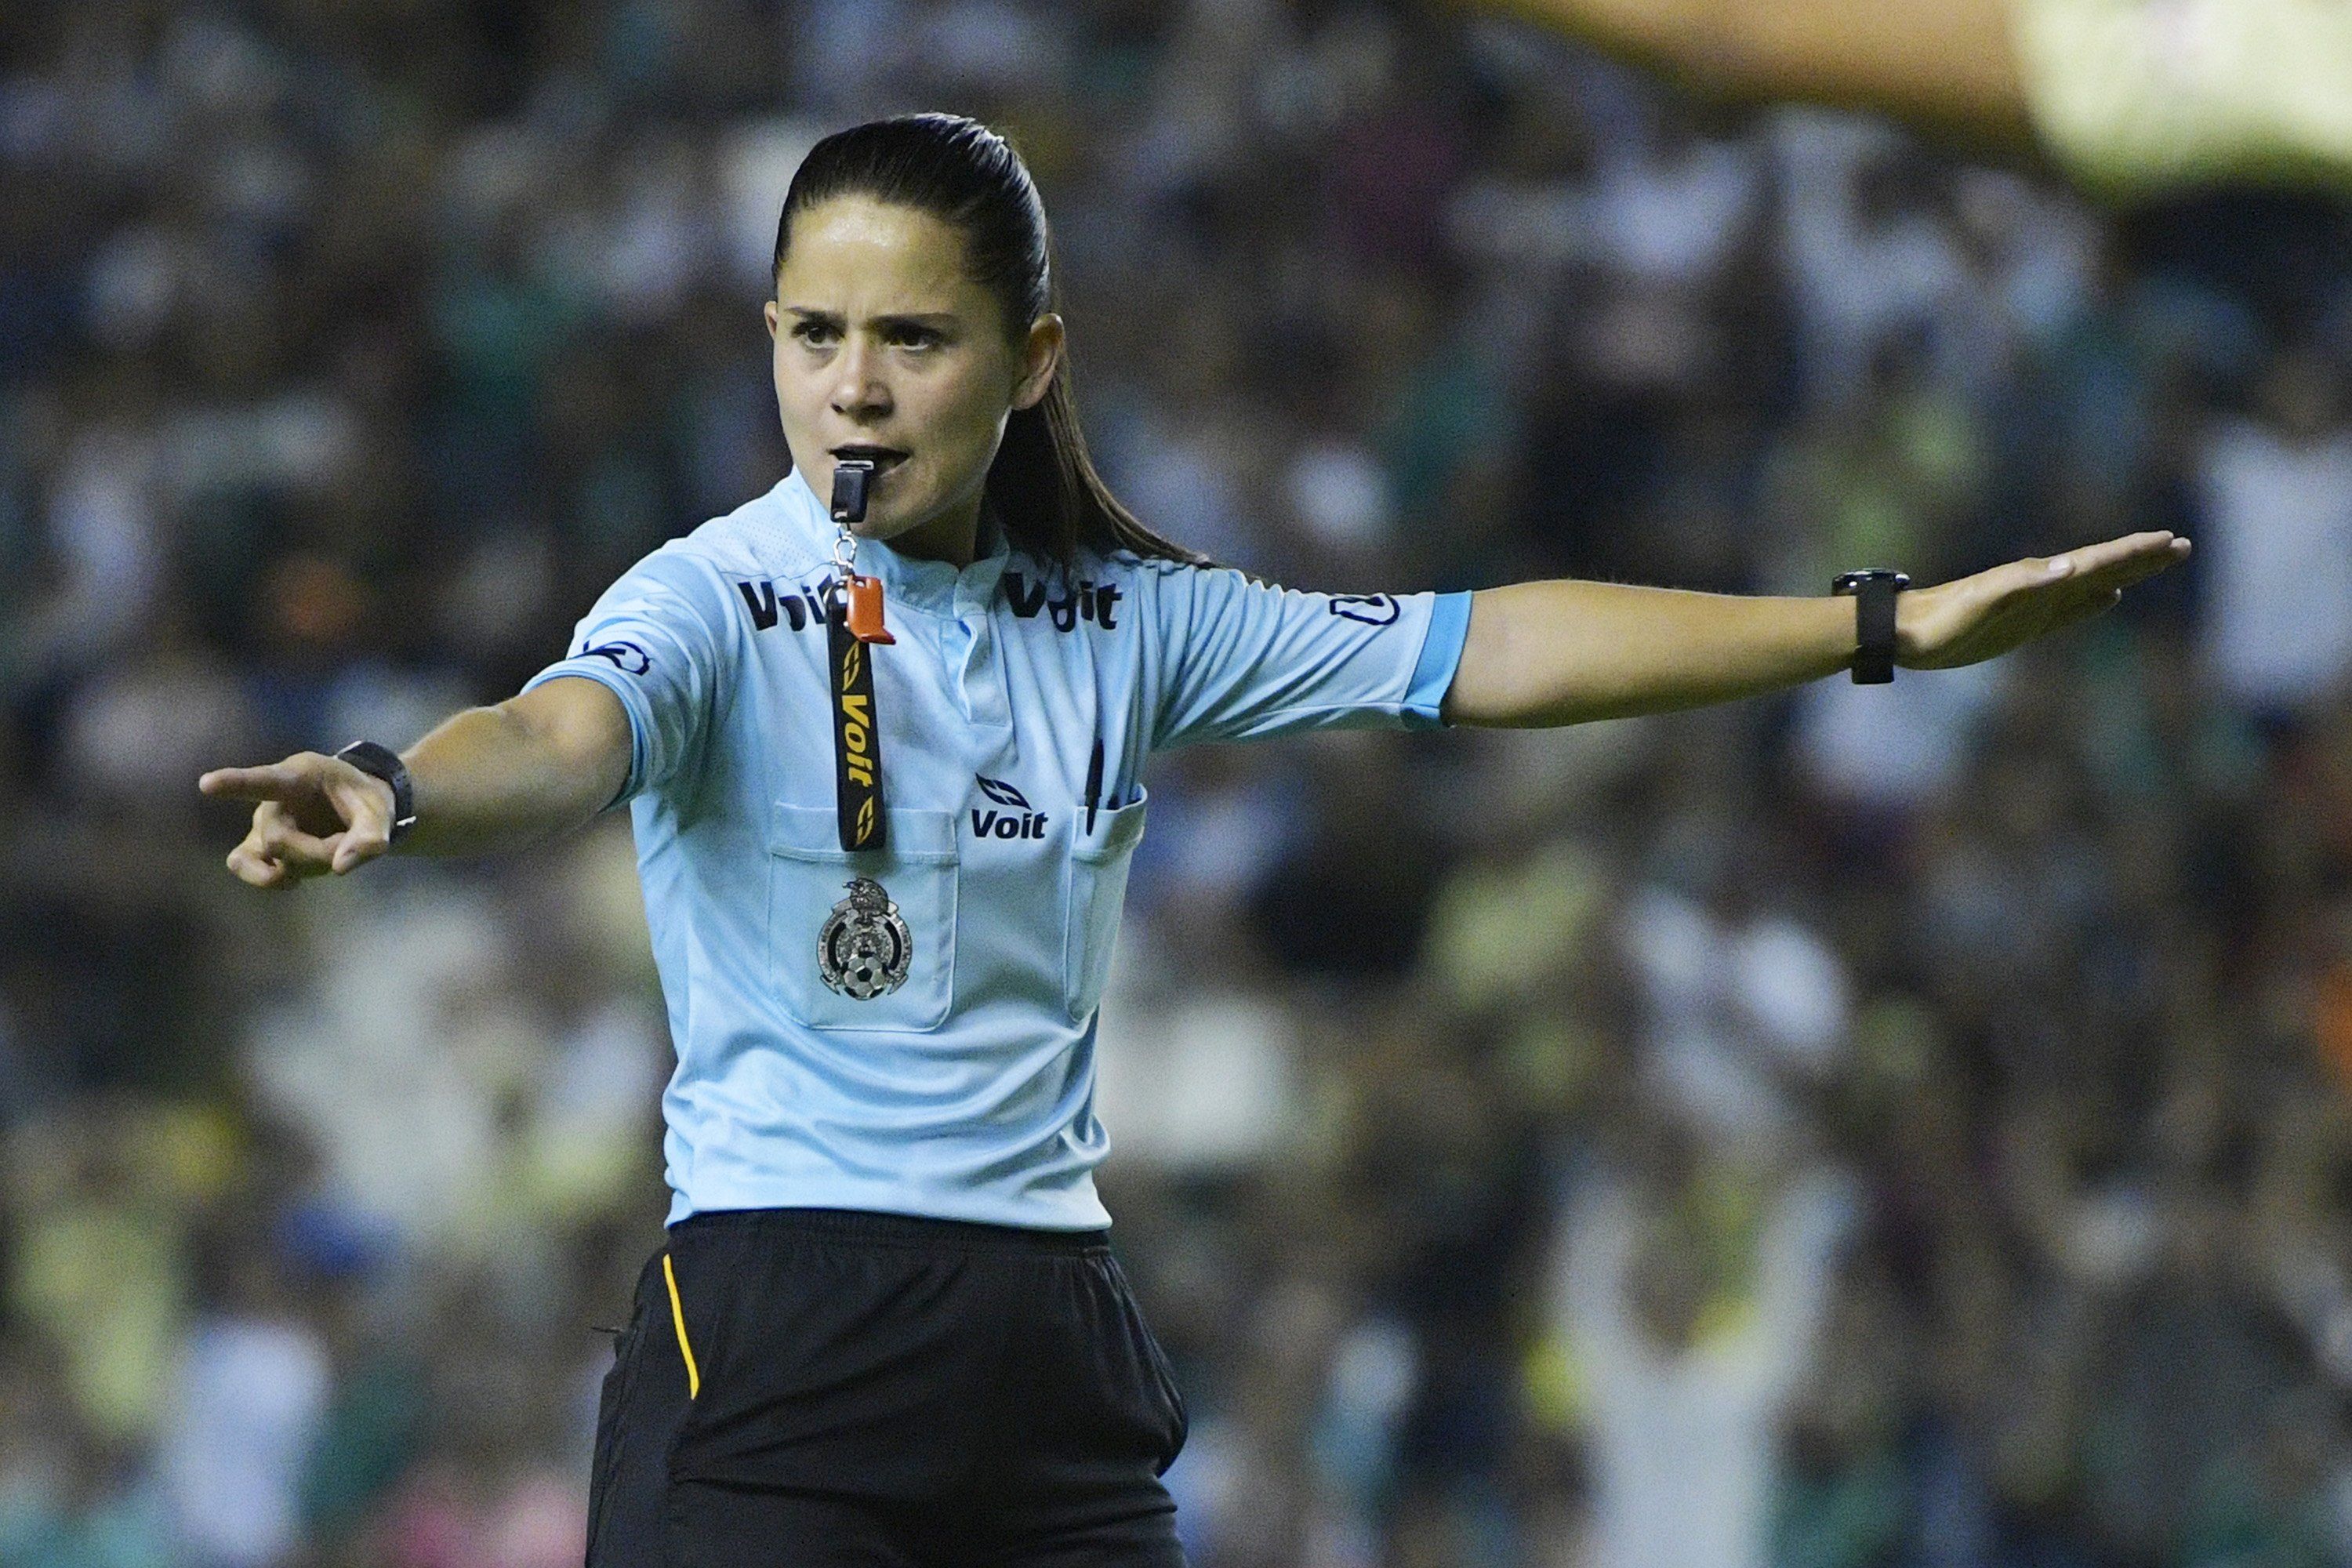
<point x="851" y="476"/>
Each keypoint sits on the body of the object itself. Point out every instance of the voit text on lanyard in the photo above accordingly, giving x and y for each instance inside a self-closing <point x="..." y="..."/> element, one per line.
<point x="853" y="625"/>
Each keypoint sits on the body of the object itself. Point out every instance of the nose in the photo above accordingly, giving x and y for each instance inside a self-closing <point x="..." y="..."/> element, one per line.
<point x="859" y="392"/>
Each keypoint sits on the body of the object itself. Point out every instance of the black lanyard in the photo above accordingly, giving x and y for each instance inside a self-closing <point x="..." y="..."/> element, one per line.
<point x="856" y="737"/>
<point x="853" y="620"/>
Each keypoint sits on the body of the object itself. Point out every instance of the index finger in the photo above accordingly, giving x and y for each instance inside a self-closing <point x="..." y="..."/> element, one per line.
<point x="275" y="781"/>
<point x="2121" y="570"/>
<point x="2158" y="548"/>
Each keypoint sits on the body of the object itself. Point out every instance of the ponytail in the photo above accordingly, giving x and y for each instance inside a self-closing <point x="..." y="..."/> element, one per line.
<point x="1046" y="493"/>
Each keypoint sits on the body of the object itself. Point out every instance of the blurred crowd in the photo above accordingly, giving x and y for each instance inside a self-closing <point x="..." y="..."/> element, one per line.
<point x="1886" y="1126"/>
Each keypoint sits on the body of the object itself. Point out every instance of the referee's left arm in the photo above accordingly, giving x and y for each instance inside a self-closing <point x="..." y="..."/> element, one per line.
<point x="1543" y="653"/>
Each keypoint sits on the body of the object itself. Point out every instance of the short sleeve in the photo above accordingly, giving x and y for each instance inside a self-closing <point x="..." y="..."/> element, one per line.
<point x="660" y="639"/>
<point x="1240" y="659"/>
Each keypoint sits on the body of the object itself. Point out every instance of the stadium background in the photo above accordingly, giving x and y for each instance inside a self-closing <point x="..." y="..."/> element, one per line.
<point x="1862" y="1126"/>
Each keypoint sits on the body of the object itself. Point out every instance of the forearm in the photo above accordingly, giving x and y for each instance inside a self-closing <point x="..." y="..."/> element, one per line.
<point x="1544" y="654"/>
<point x="1949" y="60"/>
<point x="501" y="778"/>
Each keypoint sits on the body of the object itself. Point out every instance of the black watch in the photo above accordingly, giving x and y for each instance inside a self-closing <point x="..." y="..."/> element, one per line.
<point x="383" y="763"/>
<point x="1874" y="589"/>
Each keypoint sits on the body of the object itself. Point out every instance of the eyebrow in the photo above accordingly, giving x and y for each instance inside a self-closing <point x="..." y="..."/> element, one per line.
<point x="930" y="319"/>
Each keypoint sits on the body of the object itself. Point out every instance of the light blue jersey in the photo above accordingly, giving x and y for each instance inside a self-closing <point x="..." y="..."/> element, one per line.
<point x="965" y="1089"/>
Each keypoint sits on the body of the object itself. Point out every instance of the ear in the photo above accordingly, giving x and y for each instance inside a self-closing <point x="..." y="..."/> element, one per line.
<point x="768" y="310"/>
<point x="1041" y="357"/>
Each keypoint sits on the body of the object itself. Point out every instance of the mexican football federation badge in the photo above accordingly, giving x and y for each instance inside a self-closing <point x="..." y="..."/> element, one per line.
<point x="865" y="948"/>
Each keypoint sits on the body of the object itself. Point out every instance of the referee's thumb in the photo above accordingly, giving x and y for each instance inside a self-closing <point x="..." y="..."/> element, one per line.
<point x="355" y="846"/>
<point x="2023" y="576"/>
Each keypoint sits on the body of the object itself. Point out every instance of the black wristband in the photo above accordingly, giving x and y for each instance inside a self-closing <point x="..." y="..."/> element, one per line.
<point x="383" y="763"/>
<point x="1874" y="590"/>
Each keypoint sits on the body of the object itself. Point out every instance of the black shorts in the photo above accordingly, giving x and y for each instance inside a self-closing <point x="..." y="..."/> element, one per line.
<point x="806" y="1387"/>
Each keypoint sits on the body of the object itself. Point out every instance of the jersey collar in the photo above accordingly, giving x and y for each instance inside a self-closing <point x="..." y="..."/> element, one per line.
<point x="906" y="579"/>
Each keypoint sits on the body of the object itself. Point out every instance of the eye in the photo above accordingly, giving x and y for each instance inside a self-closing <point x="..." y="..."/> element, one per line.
<point x="813" y="331"/>
<point x="916" y="337"/>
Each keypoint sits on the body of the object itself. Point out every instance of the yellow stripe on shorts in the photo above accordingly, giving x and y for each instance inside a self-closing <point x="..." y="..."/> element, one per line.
<point x="677" y="1319"/>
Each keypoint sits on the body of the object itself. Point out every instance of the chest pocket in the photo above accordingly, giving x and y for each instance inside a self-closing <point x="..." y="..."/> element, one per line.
<point x="1094" y="896"/>
<point x="880" y="921"/>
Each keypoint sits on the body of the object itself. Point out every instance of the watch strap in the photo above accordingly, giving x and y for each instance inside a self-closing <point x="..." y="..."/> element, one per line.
<point x="383" y="763"/>
<point x="1874" y="592"/>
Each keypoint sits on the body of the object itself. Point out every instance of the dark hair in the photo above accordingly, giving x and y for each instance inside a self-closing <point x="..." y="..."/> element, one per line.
<point x="1043" y="485"/>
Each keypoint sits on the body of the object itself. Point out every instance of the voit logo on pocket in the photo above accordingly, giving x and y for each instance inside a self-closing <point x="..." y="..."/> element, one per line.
<point x="1018" y="822"/>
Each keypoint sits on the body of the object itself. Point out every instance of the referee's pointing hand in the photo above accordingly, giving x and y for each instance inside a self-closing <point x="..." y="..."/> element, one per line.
<point x="315" y="815"/>
<point x="1973" y="618"/>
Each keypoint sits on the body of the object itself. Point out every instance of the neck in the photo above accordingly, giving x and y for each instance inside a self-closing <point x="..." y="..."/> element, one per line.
<point x="953" y="537"/>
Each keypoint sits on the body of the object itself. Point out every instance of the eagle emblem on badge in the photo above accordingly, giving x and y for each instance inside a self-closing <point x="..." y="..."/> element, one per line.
<point x="865" y="947"/>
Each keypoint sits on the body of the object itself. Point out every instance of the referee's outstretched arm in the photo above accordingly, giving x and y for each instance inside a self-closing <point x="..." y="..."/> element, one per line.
<point x="1537" y="653"/>
<point x="487" y="778"/>
<point x="1563" y="652"/>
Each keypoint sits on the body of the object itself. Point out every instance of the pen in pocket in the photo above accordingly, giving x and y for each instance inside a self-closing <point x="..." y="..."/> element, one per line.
<point x="1094" y="782"/>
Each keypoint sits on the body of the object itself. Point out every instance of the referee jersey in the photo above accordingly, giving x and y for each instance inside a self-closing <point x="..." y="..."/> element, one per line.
<point x="966" y="1089"/>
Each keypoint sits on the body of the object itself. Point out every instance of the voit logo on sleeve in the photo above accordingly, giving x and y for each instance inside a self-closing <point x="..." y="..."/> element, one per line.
<point x="1371" y="609"/>
<point x="1018" y="821"/>
<point x="627" y="656"/>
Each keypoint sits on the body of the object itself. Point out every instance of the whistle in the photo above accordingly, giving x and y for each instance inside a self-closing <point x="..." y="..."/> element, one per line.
<point x="850" y="477"/>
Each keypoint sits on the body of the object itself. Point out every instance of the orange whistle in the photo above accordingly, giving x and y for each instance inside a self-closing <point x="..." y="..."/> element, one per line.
<point x="865" y="609"/>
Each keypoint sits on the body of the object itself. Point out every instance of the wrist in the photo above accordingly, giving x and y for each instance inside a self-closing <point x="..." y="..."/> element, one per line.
<point x="1910" y="606"/>
<point x="384" y="764"/>
<point x="1877" y="592"/>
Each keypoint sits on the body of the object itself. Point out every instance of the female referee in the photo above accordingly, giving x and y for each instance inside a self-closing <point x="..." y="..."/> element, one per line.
<point x="880" y="731"/>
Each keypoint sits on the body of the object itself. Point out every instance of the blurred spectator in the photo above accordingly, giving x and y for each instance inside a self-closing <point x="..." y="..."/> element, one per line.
<point x="2277" y="494"/>
<point x="1690" y="1340"/>
<point x="251" y="1391"/>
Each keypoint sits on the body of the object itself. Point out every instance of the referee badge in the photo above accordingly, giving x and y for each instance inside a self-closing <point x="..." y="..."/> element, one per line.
<point x="865" y="947"/>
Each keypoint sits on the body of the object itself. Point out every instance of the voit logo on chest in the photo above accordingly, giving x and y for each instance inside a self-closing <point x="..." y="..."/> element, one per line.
<point x="1018" y="822"/>
<point x="1097" y="603"/>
